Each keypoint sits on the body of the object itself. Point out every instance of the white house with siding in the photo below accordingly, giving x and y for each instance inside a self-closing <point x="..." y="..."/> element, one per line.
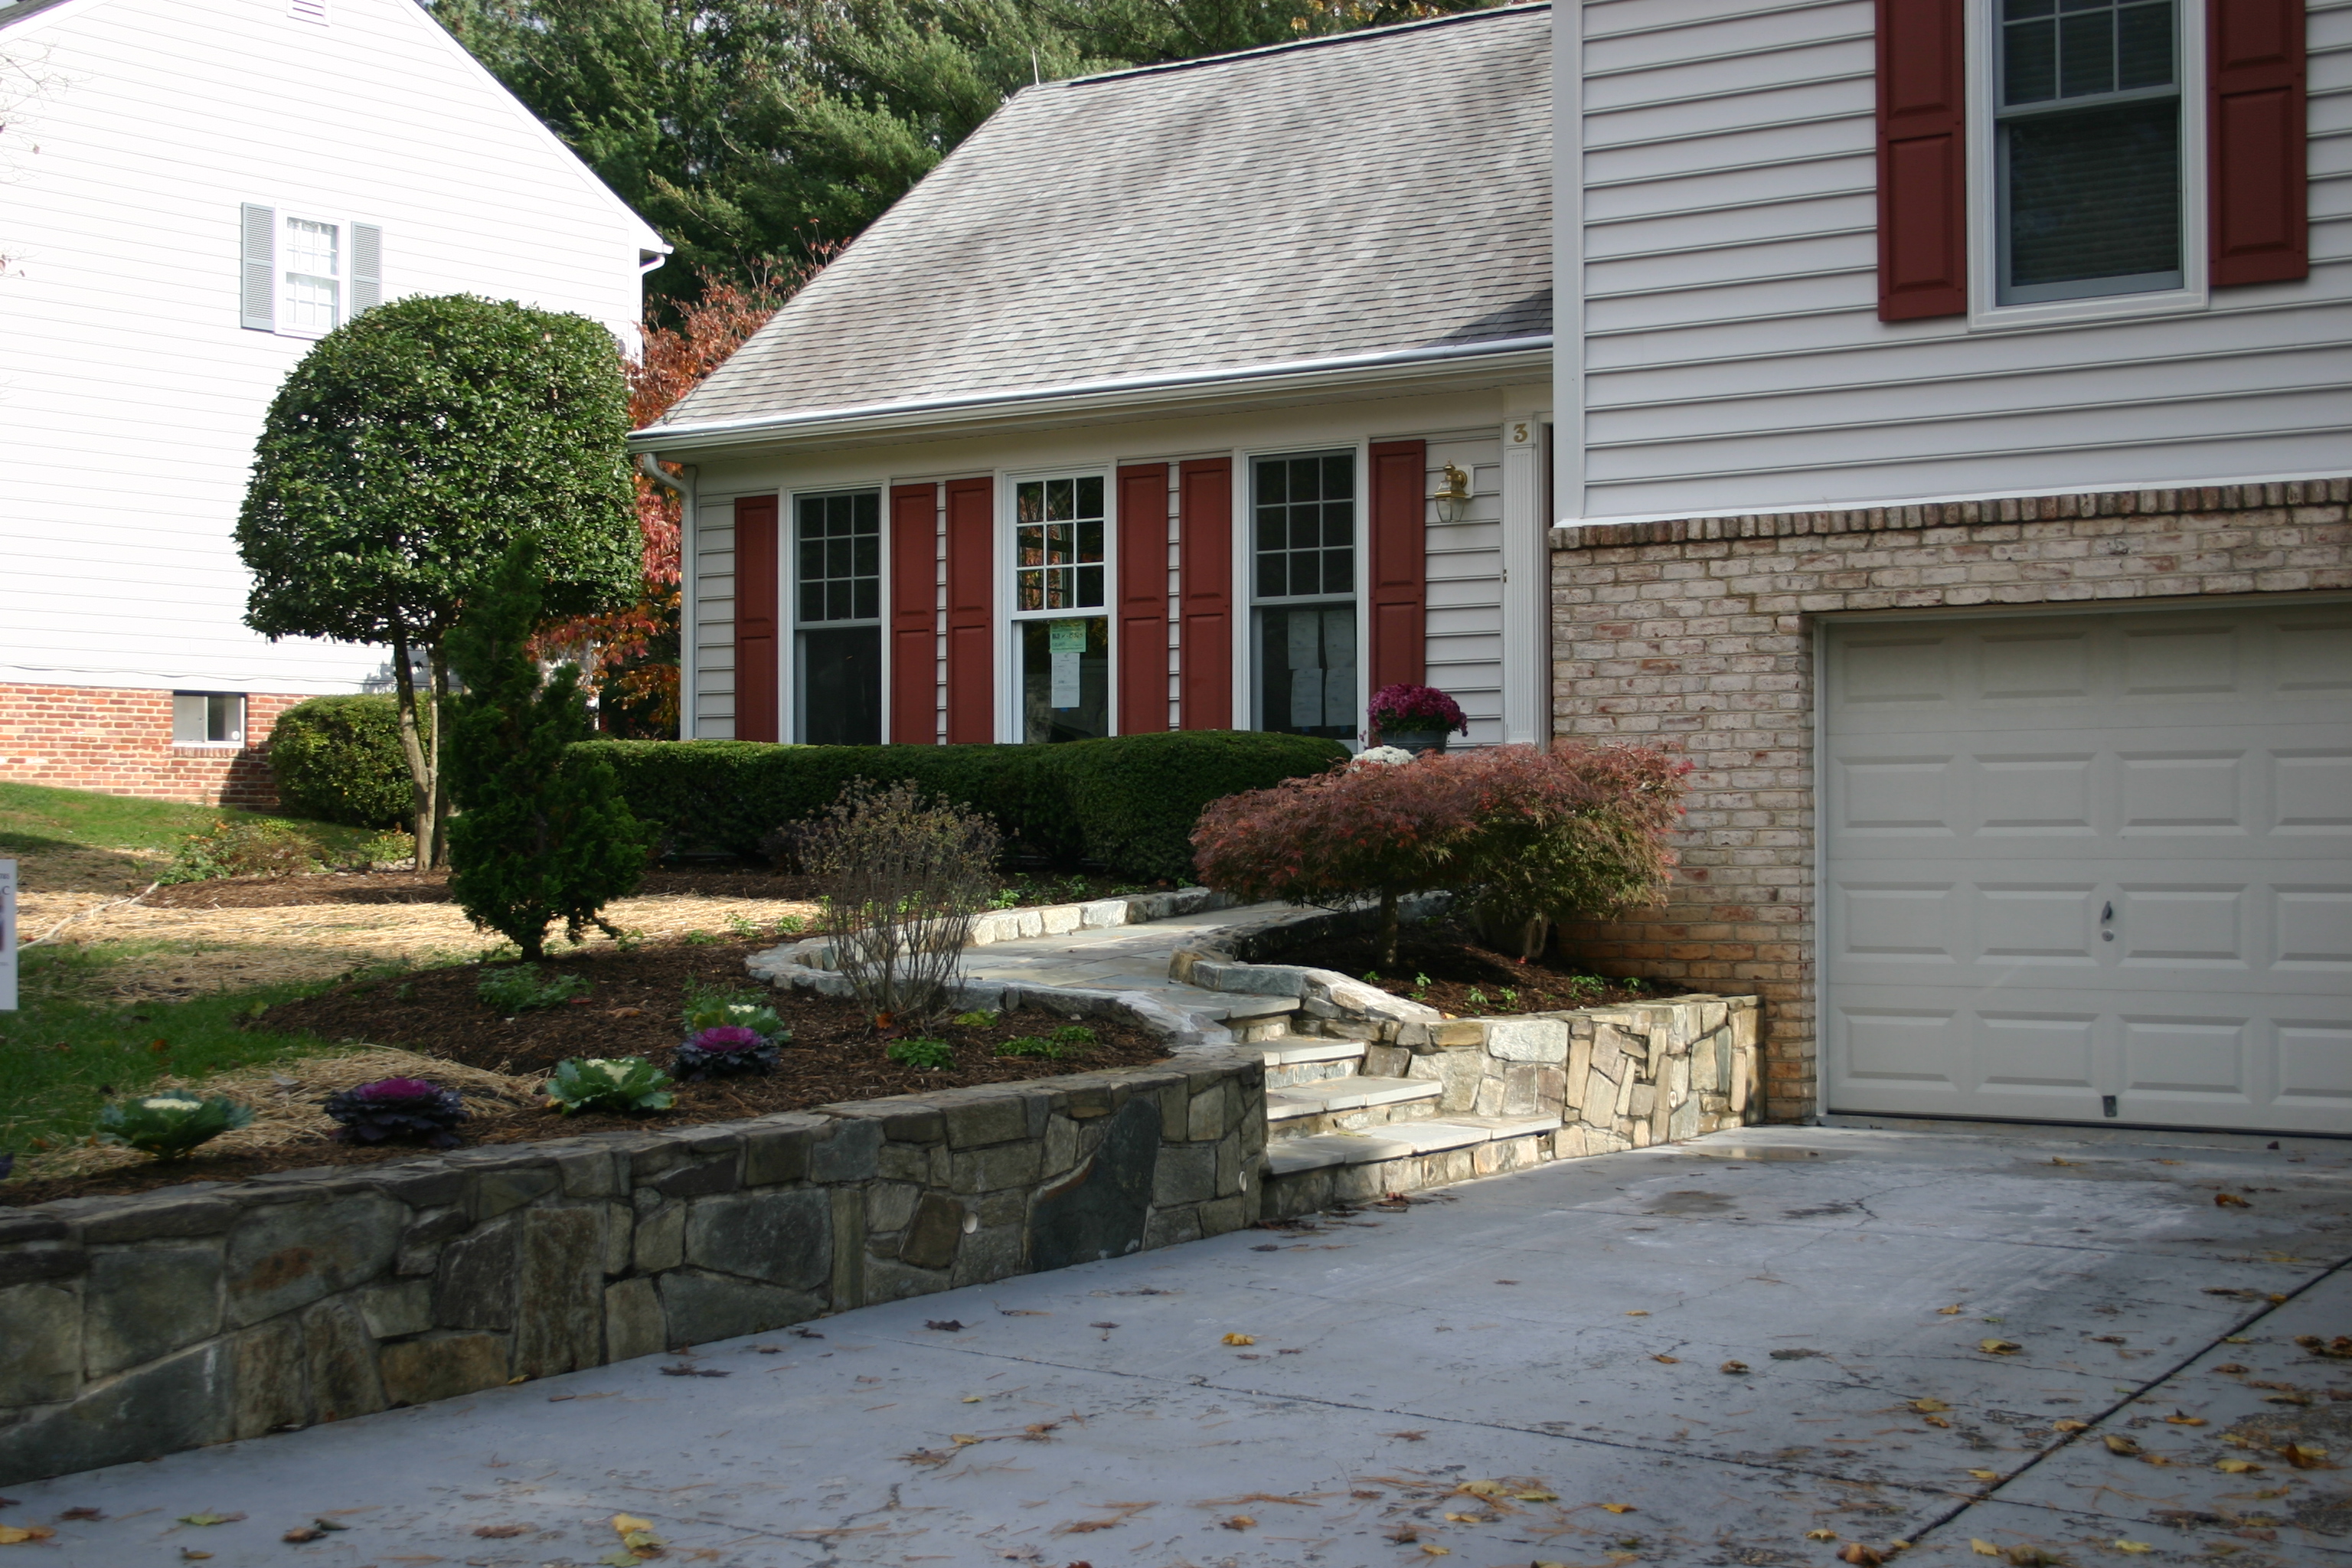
<point x="190" y="194"/>
<point x="1940" y="435"/>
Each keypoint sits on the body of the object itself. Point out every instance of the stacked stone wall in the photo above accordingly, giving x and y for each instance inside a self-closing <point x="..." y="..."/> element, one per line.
<point x="1700" y="632"/>
<point x="139" y="1326"/>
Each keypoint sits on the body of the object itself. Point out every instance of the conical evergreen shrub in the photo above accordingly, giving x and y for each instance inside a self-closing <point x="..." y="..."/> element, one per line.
<point x="538" y="837"/>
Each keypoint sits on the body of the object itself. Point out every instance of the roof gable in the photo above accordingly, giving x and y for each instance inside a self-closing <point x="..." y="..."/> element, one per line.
<point x="1369" y="193"/>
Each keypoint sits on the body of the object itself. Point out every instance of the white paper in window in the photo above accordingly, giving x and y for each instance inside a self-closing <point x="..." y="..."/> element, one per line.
<point x="1065" y="641"/>
<point x="1306" y="640"/>
<point x="1339" y="657"/>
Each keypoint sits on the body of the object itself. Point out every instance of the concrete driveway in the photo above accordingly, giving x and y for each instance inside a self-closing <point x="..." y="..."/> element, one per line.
<point x="1534" y="1368"/>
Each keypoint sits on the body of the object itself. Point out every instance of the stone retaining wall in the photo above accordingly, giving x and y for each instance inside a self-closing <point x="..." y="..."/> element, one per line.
<point x="138" y="1326"/>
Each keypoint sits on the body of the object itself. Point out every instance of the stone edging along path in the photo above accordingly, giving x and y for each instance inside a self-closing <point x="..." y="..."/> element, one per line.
<point x="143" y="1325"/>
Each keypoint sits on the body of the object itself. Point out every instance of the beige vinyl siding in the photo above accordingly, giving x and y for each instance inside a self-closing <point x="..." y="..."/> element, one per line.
<point x="714" y="621"/>
<point x="1463" y="644"/>
<point x="129" y="394"/>
<point x="1734" y="360"/>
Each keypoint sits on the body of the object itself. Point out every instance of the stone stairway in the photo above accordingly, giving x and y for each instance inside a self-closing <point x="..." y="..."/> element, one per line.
<point x="1336" y="1134"/>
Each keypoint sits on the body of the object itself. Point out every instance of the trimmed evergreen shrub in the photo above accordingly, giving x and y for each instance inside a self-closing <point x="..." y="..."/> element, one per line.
<point x="1129" y="802"/>
<point x="535" y="840"/>
<point x="337" y="759"/>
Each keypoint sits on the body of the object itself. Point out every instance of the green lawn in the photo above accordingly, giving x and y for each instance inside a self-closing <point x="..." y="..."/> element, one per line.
<point x="74" y="840"/>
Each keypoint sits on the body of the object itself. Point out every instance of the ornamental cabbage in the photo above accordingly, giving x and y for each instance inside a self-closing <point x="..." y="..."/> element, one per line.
<point x="399" y="1110"/>
<point x="726" y="1050"/>
<point x="169" y="1125"/>
<point x="598" y="1083"/>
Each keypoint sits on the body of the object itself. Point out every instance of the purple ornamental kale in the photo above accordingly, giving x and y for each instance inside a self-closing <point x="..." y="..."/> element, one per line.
<point x="728" y="1048"/>
<point x="399" y="1110"/>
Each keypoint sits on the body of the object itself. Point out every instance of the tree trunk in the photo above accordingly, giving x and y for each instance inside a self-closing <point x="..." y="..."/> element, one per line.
<point x="1388" y="928"/>
<point x="421" y="768"/>
<point x="438" y="663"/>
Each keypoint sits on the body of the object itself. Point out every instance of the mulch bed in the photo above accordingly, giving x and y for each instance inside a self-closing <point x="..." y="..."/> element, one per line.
<point x="1454" y="962"/>
<point x="632" y="1008"/>
<point x="433" y="888"/>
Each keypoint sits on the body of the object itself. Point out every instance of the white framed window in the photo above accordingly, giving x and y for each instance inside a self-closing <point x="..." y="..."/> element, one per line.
<point x="1304" y="548"/>
<point x="1060" y="620"/>
<point x="208" y="719"/>
<point x="302" y="275"/>
<point x="2083" y="142"/>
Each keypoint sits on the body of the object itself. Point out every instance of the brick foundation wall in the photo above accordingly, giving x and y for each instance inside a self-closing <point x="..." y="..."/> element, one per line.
<point x="119" y="742"/>
<point x="1700" y="632"/>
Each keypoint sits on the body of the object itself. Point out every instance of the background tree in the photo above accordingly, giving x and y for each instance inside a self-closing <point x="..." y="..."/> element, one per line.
<point x="538" y="837"/>
<point x="404" y="455"/>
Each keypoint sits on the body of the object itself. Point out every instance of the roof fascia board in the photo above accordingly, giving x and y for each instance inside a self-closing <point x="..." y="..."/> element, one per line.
<point x="28" y="26"/>
<point x="1131" y="397"/>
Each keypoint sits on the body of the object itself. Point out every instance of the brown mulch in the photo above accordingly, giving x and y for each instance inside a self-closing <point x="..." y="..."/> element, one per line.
<point x="632" y="1008"/>
<point x="1454" y="962"/>
<point x="433" y="888"/>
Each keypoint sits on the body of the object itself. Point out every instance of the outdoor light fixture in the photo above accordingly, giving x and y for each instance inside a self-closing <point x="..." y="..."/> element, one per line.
<point x="1453" y="499"/>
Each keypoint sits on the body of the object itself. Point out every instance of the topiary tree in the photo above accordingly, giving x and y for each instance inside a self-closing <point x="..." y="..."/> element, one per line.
<point x="535" y="840"/>
<point x="337" y="759"/>
<point x="403" y="456"/>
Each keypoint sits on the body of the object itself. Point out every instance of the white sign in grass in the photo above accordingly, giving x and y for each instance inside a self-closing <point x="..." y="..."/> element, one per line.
<point x="7" y="936"/>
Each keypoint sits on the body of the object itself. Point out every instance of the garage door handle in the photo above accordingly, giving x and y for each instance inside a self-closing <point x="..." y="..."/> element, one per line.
<point x="2105" y="916"/>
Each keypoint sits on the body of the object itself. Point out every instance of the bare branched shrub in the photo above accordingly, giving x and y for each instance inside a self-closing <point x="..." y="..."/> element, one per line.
<point x="900" y="876"/>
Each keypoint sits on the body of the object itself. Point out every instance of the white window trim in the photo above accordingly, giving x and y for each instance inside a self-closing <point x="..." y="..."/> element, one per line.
<point x="288" y="216"/>
<point x="1009" y="619"/>
<point x="1983" y="198"/>
<point x="1245" y="602"/>
<point x="244" y="729"/>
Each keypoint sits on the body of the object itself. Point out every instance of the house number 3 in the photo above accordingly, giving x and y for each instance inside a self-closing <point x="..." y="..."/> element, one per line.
<point x="1519" y="434"/>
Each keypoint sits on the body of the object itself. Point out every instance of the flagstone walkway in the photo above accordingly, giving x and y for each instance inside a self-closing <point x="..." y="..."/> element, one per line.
<point x="1127" y="958"/>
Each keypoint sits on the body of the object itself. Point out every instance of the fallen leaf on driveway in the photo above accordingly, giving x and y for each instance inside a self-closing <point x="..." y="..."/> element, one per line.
<point x="2118" y="1444"/>
<point x="1467" y="1519"/>
<point x="303" y="1532"/>
<point x="1928" y="1406"/>
<point x="190" y="1554"/>
<point x="1617" y="1508"/>
<point x="83" y="1513"/>
<point x="2337" y="1349"/>
<point x="944" y="1325"/>
<point x="1953" y="1311"/>
<point x="2231" y="1368"/>
<point x="2030" y="1557"/>
<point x="1408" y="1436"/>
<point x="500" y="1532"/>
<point x="1821" y="1535"/>
<point x="2304" y="1455"/>
<point x="1669" y="1360"/>
<point x="1983" y="1548"/>
<point x="933" y="1456"/>
<point x="2134" y="1547"/>
<point x="1238" y="1340"/>
<point x="1534" y="1497"/>
<point x="16" y="1535"/>
<point x="2237" y="1466"/>
<point x="210" y="1518"/>
<point x="1639" y="1312"/>
<point x="2180" y="1419"/>
<point x="2230" y="1200"/>
<point x="2070" y="1424"/>
<point x="688" y="1368"/>
<point x="1998" y="1347"/>
<point x="962" y="1439"/>
<point x="1856" y="1552"/>
<point x="1238" y="1521"/>
<point x="1734" y="1367"/>
<point x="1986" y="1475"/>
<point x="1021" y="1312"/>
<point x="1437" y="1551"/>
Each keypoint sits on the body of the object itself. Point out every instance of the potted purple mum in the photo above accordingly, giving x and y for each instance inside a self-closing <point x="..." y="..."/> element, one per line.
<point x="1417" y="718"/>
<point x="397" y="1110"/>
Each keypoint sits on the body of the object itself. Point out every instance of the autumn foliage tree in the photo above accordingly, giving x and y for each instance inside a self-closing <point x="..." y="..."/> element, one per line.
<point x="1520" y="835"/>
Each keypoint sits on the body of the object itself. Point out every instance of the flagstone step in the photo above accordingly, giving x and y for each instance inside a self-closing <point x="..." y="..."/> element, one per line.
<point x="1302" y="1058"/>
<point x="1289" y="1156"/>
<point x="1332" y="1103"/>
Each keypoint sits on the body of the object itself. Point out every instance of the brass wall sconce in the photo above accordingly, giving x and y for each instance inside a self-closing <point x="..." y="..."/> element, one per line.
<point x="1453" y="499"/>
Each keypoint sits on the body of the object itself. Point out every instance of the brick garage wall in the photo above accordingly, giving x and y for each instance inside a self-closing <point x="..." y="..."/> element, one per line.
<point x="1700" y="632"/>
<point x="119" y="740"/>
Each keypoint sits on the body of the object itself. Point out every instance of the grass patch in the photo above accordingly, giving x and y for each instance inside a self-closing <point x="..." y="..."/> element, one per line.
<point x="76" y="840"/>
<point x="63" y="1052"/>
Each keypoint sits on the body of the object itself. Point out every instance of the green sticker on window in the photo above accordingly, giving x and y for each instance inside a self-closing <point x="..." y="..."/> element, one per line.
<point x="1065" y="637"/>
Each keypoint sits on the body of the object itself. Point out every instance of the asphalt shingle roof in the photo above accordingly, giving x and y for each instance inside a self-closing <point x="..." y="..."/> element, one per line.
<point x="1374" y="192"/>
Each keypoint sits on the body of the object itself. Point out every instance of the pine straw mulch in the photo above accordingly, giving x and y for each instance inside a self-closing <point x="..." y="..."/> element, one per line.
<point x="245" y="932"/>
<point x="1455" y="963"/>
<point x="444" y="1031"/>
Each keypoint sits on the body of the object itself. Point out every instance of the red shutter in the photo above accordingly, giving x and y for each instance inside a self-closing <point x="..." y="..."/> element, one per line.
<point x="1204" y="564"/>
<point x="914" y="609"/>
<point x="1143" y="599"/>
<point x="972" y="631"/>
<point x="1923" y="268"/>
<point x="2255" y="93"/>
<point x="755" y="619"/>
<point x="1400" y="562"/>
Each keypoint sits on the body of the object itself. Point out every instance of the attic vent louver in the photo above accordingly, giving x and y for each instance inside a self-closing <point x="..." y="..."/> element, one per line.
<point x="308" y="11"/>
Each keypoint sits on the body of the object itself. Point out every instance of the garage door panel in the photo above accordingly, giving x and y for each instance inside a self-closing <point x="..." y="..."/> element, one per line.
<point x="2071" y="859"/>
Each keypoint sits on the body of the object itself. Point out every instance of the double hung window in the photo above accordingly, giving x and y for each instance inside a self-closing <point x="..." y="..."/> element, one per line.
<point x="312" y="268"/>
<point x="1303" y="583"/>
<point x="837" y="617"/>
<point x="2087" y="131"/>
<point x="1060" y="628"/>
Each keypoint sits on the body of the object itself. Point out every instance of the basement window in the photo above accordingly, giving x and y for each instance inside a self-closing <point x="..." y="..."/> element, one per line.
<point x="208" y="719"/>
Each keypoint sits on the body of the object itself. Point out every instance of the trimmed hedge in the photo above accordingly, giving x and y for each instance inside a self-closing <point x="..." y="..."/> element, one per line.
<point x="337" y="759"/>
<point x="1128" y="802"/>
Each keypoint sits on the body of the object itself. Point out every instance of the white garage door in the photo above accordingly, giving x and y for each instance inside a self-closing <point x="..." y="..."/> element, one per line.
<point x="2088" y="867"/>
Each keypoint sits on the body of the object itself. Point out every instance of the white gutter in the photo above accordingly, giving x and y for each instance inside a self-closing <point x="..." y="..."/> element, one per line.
<point x="1500" y="356"/>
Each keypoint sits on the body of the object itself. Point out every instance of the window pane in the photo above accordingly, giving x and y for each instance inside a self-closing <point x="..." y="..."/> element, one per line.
<point x="2144" y="46"/>
<point x="1307" y="669"/>
<point x="1305" y="525"/>
<point x="2029" y="67"/>
<point x="1065" y="678"/>
<point x="841" y="686"/>
<point x="838" y="557"/>
<point x="2086" y="54"/>
<point x="2092" y="194"/>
